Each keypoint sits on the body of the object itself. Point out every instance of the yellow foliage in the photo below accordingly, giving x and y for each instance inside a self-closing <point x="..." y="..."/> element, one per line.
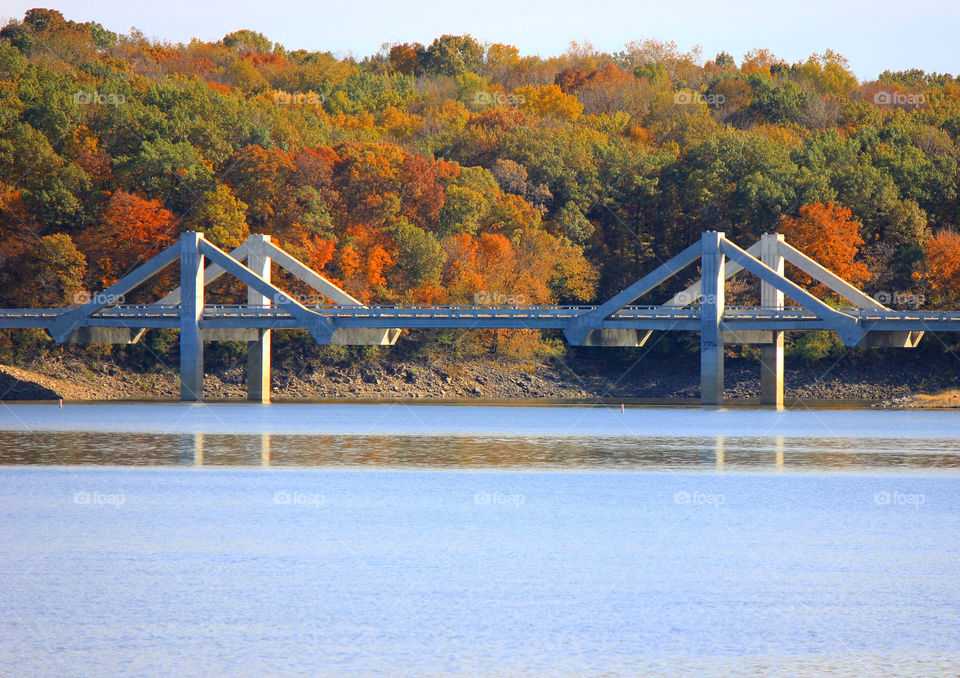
<point x="549" y="100"/>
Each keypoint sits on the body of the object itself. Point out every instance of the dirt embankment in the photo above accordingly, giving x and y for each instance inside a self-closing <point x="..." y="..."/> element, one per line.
<point x="949" y="399"/>
<point x="893" y="383"/>
<point x="22" y="384"/>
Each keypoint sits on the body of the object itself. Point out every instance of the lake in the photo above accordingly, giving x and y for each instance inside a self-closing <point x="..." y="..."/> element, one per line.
<point x="466" y="540"/>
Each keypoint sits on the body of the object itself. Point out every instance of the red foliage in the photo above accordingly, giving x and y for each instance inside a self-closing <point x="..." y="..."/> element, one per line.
<point x="132" y="230"/>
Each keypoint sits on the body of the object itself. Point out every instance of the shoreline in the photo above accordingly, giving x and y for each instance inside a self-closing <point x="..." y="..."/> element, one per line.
<point x="654" y="381"/>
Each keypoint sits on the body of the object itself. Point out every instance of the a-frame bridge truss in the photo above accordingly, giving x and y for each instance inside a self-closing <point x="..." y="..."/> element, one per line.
<point x="616" y="322"/>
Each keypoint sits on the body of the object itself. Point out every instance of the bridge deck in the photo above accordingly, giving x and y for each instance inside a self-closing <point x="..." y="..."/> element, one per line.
<point x="466" y="317"/>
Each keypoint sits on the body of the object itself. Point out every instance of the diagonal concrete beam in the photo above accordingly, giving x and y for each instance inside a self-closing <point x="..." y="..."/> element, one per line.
<point x="788" y="287"/>
<point x="576" y="333"/>
<point x="847" y="326"/>
<point x="320" y="327"/>
<point x="69" y="320"/>
<point x="210" y="273"/>
<point x="692" y="293"/>
<point x="648" y="282"/>
<point x="828" y="278"/>
<point x="309" y="276"/>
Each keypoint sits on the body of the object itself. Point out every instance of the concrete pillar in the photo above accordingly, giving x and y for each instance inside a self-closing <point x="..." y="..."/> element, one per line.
<point x="258" y="352"/>
<point x="711" y="313"/>
<point x="191" y="308"/>
<point x="771" y="355"/>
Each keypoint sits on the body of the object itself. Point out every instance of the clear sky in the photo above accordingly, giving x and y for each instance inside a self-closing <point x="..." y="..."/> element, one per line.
<point x="873" y="35"/>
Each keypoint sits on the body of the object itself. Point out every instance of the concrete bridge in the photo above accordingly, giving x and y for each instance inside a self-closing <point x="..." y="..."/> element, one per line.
<point x="616" y="322"/>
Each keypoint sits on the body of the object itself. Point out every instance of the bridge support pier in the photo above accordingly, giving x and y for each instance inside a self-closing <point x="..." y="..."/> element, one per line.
<point x="191" y="309"/>
<point x="771" y="355"/>
<point x="258" y="352"/>
<point x="711" y="314"/>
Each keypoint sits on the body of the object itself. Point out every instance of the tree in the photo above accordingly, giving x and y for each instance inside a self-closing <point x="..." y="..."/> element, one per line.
<point x="419" y="255"/>
<point x="248" y="41"/>
<point x="130" y="231"/>
<point x="53" y="270"/>
<point x="549" y="100"/>
<point x="246" y="77"/>
<point x="453" y="55"/>
<point x="942" y="270"/>
<point x="407" y="58"/>
<point x="220" y="216"/>
<point x="829" y="235"/>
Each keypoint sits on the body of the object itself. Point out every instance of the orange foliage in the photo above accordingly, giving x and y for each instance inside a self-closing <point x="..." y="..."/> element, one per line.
<point x="353" y="122"/>
<point x="132" y="230"/>
<point x="429" y="294"/>
<point x="641" y="136"/>
<point x="405" y="58"/>
<point x="829" y="235"/>
<point x="266" y="59"/>
<point x="218" y="87"/>
<point x="461" y="275"/>
<point x="378" y="259"/>
<point x="17" y="228"/>
<point x="447" y="170"/>
<point x="310" y="248"/>
<point x="349" y="262"/>
<point x="494" y="247"/>
<point x="942" y="253"/>
<point x="85" y="149"/>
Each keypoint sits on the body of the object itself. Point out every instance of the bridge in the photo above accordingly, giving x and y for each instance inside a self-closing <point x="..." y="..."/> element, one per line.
<point x="616" y="322"/>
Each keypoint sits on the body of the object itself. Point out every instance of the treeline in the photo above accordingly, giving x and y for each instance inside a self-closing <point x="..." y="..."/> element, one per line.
<point x="437" y="173"/>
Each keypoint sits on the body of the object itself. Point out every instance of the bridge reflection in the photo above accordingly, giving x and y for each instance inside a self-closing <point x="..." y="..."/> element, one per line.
<point x="234" y="451"/>
<point x="384" y="452"/>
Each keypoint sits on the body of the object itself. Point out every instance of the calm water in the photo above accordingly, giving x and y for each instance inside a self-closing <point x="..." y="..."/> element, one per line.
<point x="368" y="540"/>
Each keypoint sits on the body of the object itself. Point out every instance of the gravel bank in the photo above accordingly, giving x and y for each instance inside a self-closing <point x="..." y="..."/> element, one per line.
<point x="892" y="383"/>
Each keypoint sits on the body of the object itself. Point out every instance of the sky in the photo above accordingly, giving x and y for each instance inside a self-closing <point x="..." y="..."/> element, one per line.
<point x="873" y="36"/>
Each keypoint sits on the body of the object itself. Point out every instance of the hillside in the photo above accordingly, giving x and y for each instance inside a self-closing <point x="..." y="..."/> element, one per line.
<point x="458" y="172"/>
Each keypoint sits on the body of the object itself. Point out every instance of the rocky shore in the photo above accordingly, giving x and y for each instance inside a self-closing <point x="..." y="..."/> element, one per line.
<point x="893" y="383"/>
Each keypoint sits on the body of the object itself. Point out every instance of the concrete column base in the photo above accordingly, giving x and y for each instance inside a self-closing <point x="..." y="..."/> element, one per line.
<point x="771" y="371"/>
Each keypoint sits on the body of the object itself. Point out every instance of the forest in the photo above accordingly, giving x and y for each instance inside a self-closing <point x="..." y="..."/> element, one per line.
<point x="458" y="171"/>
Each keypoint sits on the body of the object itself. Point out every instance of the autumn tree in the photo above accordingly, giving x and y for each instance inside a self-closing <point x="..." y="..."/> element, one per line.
<point x="453" y="55"/>
<point x="248" y="41"/>
<point x="406" y="58"/>
<point x="130" y="231"/>
<point x="942" y="266"/>
<point x="829" y="235"/>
